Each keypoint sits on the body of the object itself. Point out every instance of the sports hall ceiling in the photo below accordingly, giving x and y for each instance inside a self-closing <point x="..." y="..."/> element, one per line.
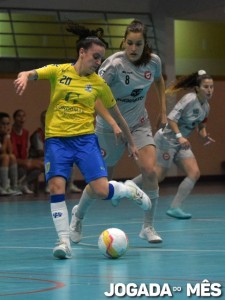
<point x="177" y="9"/>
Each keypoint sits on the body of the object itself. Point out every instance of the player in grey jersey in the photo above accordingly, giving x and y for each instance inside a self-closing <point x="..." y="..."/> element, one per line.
<point x="130" y="73"/>
<point x="190" y="112"/>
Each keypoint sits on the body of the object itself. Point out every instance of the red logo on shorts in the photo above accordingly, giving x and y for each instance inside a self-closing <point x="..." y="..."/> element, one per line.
<point x="142" y="120"/>
<point x="148" y="75"/>
<point x="103" y="152"/>
<point x="166" y="156"/>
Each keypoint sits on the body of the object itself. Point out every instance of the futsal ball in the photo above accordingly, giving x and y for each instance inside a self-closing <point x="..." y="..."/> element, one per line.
<point x="113" y="242"/>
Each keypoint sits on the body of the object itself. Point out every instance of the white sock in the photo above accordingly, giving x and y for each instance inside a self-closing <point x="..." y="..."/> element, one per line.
<point x="120" y="190"/>
<point x="183" y="191"/>
<point x="84" y="204"/>
<point x="61" y="220"/>
<point x="150" y="214"/>
<point x="138" y="180"/>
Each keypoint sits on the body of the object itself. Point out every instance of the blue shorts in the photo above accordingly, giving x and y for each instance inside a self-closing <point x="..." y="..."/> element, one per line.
<point x="62" y="152"/>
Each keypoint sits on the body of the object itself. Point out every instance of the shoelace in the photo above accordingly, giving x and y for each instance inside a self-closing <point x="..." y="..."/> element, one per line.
<point x="59" y="243"/>
<point x="152" y="229"/>
<point x="78" y="226"/>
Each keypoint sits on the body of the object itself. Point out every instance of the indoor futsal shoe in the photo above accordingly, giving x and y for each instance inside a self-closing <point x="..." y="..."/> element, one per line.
<point x="62" y="251"/>
<point x="148" y="233"/>
<point x="178" y="213"/>
<point x="139" y="197"/>
<point x="75" y="227"/>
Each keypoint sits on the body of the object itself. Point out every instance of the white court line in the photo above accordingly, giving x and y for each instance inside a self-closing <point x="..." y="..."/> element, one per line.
<point x="160" y="249"/>
<point x="85" y="225"/>
<point x="111" y="224"/>
<point x="28" y="228"/>
<point x="95" y="247"/>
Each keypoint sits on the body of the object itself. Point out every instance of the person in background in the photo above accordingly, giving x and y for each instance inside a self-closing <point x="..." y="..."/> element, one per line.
<point x="29" y="168"/>
<point x="37" y="140"/>
<point x="70" y="138"/>
<point x="36" y="151"/>
<point x="130" y="74"/>
<point x="72" y="187"/>
<point x="172" y="143"/>
<point x="8" y="163"/>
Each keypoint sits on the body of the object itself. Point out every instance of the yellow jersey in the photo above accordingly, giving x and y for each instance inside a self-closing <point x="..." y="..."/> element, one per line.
<point x="72" y="100"/>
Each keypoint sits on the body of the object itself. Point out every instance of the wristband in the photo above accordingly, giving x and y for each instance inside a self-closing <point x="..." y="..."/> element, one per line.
<point x="178" y="135"/>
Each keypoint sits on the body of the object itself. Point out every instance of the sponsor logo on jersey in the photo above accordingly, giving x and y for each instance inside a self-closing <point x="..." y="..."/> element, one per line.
<point x="196" y="112"/>
<point x="88" y="88"/>
<point x="136" y="92"/>
<point x="101" y="72"/>
<point x="166" y="156"/>
<point x="148" y="75"/>
<point x="125" y="100"/>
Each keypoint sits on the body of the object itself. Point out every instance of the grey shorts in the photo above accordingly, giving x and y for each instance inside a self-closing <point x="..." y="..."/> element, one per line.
<point x="169" y="152"/>
<point x="142" y="135"/>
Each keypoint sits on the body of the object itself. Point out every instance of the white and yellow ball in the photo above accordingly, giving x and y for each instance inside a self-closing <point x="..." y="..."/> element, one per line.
<point x="113" y="242"/>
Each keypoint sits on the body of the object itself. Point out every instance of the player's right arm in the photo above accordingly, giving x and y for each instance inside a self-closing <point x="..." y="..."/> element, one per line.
<point x="182" y="140"/>
<point x="21" y="82"/>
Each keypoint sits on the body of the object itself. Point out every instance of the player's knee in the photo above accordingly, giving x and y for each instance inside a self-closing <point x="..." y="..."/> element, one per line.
<point x="56" y="187"/>
<point x="102" y="193"/>
<point x="5" y="159"/>
<point x="195" y="175"/>
<point x="150" y="173"/>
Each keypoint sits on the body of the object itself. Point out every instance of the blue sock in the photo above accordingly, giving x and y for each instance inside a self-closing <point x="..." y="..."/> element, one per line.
<point x="57" y="198"/>
<point x="111" y="192"/>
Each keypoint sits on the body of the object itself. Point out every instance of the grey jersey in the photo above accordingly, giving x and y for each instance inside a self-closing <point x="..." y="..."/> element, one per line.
<point x="188" y="113"/>
<point x="129" y="85"/>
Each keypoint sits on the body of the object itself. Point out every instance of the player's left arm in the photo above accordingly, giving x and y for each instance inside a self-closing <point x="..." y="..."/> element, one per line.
<point x="203" y="133"/>
<point x="109" y="103"/>
<point x="160" y="90"/>
<point x="116" y="114"/>
<point x="105" y="114"/>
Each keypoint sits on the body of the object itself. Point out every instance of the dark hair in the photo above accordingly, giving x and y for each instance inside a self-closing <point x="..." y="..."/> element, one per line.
<point x="42" y="115"/>
<point x="188" y="81"/>
<point x="86" y="37"/>
<point x="138" y="26"/>
<point x="4" y="115"/>
<point x="16" y="112"/>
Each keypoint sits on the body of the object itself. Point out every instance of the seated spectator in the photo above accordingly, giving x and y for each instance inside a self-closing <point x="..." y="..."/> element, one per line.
<point x="8" y="164"/>
<point x="37" y="140"/>
<point x="29" y="169"/>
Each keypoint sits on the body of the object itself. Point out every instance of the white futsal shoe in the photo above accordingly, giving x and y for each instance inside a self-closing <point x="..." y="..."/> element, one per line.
<point x="148" y="233"/>
<point x="75" y="227"/>
<point x="62" y="251"/>
<point x="138" y="196"/>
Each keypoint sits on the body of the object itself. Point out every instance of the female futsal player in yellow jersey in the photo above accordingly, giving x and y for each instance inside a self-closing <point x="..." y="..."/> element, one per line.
<point x="70" y="137"/>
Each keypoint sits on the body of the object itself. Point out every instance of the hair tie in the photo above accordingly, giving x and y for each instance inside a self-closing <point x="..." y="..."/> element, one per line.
<point x="201" y="72"/>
